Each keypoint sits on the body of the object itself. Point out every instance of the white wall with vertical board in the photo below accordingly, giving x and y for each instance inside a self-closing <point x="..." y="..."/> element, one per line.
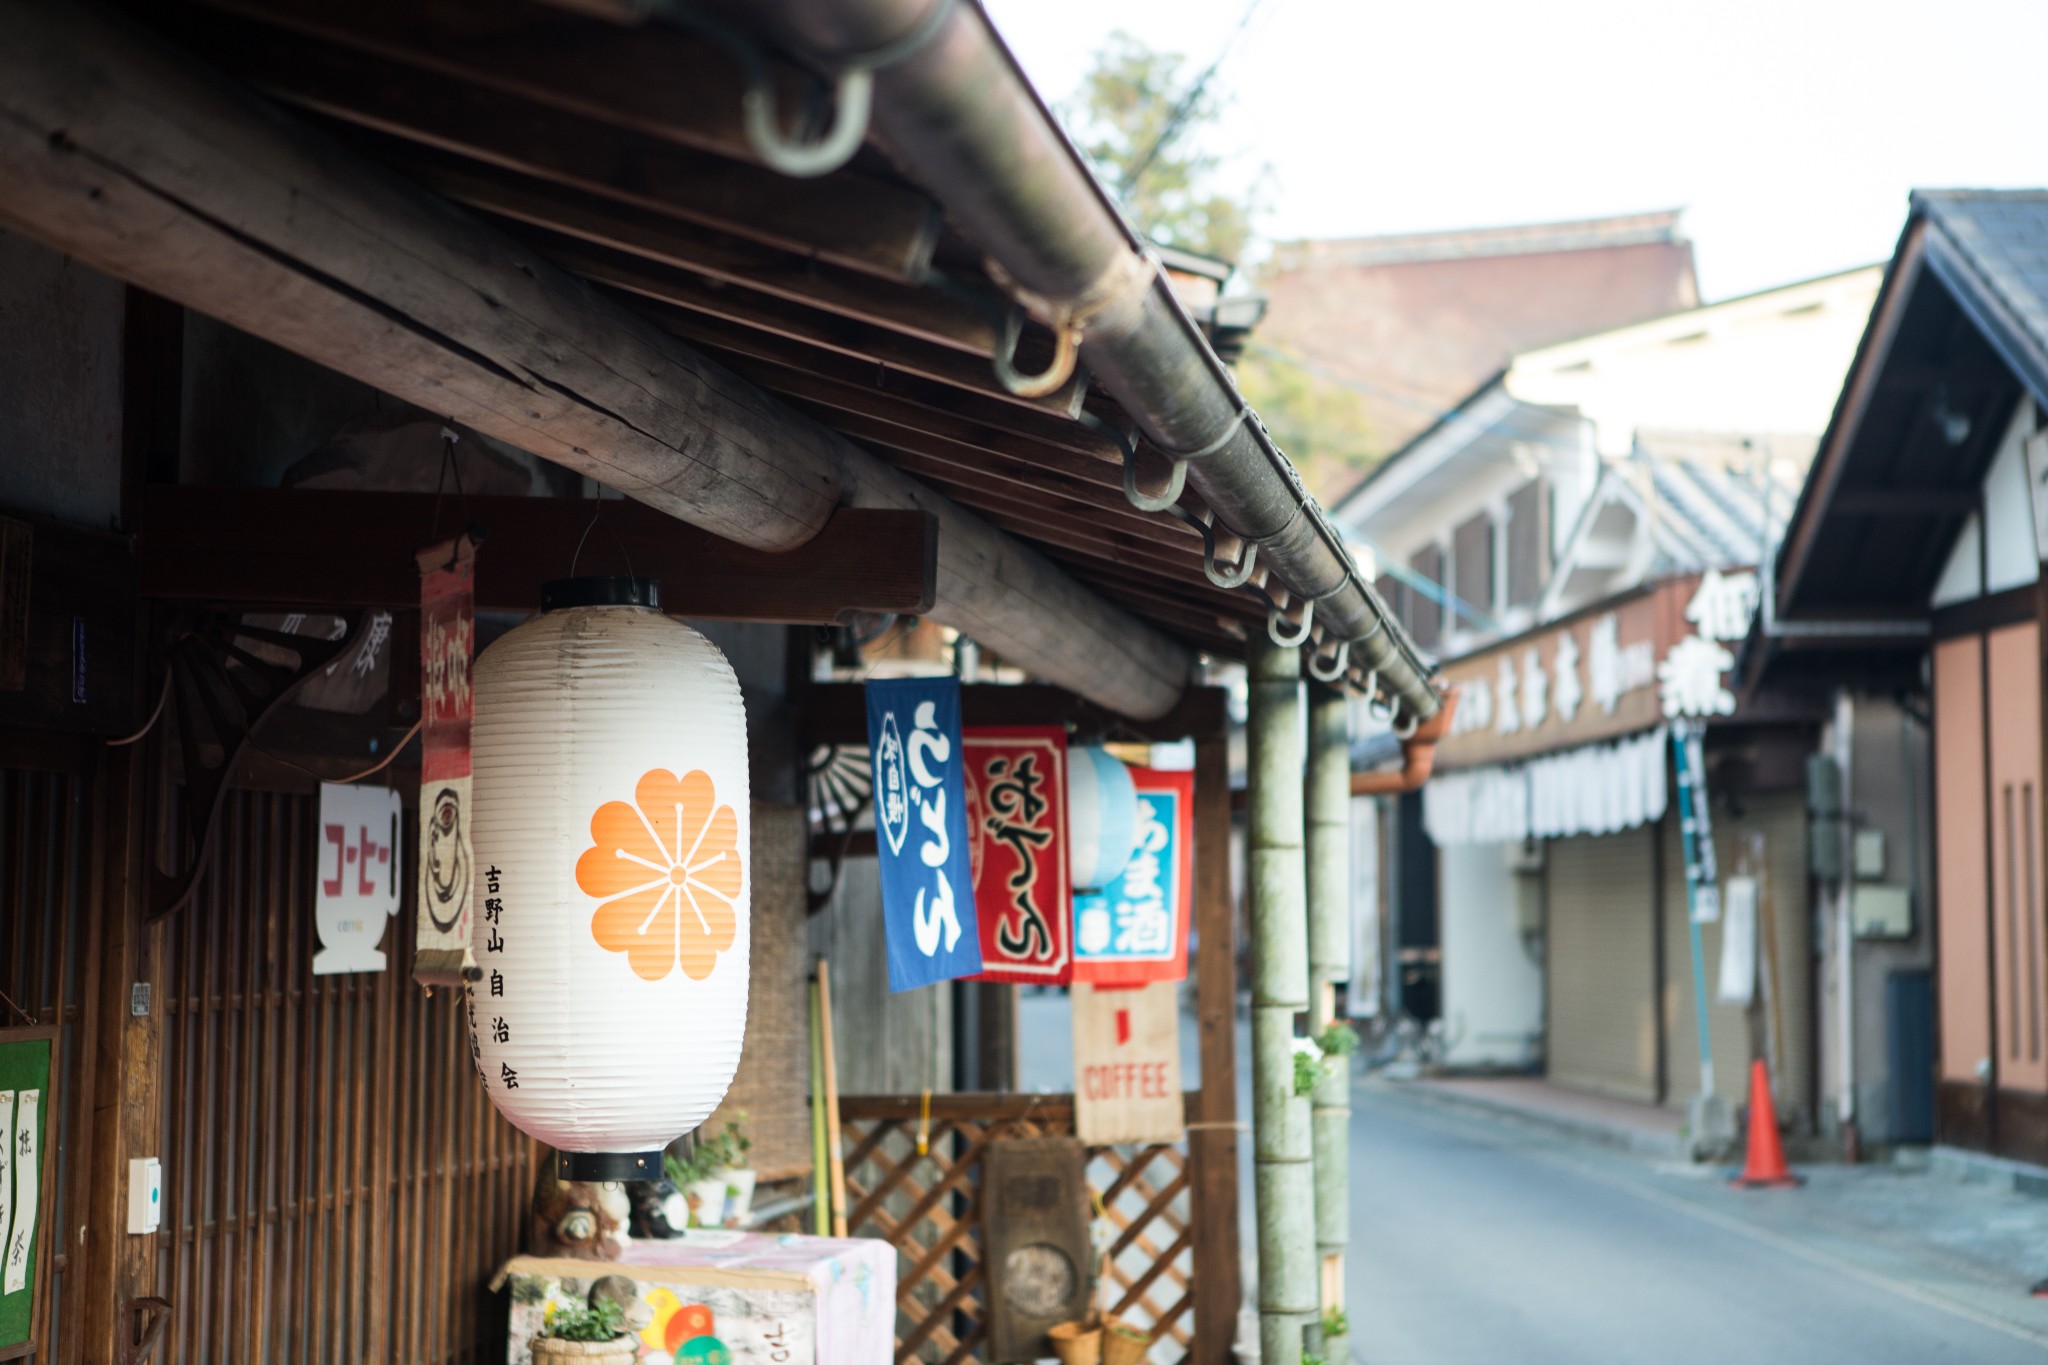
<point x="1492" y="975"/>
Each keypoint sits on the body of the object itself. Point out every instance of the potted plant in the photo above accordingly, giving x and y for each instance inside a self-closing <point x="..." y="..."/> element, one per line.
<point x="590" y="1336"/>
<point x="718" y="1184"/>
<point x="1077" y="1343"/>
<point x="1124" y="1343"/>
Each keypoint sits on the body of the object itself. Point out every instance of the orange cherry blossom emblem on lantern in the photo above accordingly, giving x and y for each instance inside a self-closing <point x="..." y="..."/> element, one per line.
<point x="667" y="868"/>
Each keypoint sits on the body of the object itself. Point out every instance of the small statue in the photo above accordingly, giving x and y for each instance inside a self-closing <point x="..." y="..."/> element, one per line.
<point x="582" y="1219"/>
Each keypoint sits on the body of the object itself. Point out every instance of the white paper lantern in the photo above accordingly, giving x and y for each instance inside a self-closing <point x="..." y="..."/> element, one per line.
<point x="1102" y="817"/>
<point x="610" y="831"/>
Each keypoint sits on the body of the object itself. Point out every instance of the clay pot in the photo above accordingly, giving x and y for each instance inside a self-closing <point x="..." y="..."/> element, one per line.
<point x="1119" y="1347"/>
<point x="1077" y="1343"/>
<point x="555" y="1351"/>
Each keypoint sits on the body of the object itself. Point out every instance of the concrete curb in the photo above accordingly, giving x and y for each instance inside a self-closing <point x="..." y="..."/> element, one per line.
<point x="1979" y="1168"/>
<point x="1671" y="1147"/>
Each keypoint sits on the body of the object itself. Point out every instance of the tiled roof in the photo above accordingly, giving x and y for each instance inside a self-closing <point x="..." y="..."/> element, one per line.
<point x="2001" y="238"/>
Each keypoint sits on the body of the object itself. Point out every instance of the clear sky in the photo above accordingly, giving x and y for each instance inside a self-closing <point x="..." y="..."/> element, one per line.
<point x="1789" y="130"/>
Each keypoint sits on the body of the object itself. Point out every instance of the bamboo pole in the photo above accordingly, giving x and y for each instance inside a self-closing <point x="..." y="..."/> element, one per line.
<point x="1283" y="1172"/>
<point x="821" y="1159"/>
<point x="835" y="1145"/>
<point x="1329" y="962"/>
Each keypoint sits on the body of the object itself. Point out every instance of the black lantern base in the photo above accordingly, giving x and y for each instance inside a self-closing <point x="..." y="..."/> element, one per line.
<point x="602" y="1166"/>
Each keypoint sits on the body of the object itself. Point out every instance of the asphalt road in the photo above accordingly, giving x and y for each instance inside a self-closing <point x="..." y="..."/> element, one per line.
<point x="1483" y="1241"/>
<point x="1479" y="1242"/>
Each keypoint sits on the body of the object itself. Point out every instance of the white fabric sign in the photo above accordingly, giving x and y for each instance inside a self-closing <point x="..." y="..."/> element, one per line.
<point x="6" y="1173"/>
<point x="357" y="883"/>
<point x="1595" y="789"/>
<point x="1738" y="941"/>
<point x="27" y="1190"/>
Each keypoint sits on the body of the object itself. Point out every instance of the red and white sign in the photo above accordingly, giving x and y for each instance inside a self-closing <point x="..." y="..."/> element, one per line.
<point x="1127" y="1064"/>
<point x="441" y="948"/>
<point x="356" y="886"/>
<point x="1017" y="811"/>
<point x="1135" y="929"/>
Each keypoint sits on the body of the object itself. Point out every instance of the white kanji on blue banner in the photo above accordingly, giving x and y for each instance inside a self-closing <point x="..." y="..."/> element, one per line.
<point x="921" y="836"/>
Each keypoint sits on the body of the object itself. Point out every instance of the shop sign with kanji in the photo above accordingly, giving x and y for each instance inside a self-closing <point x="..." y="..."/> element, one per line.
<point x="1017" y="804"/>
<point x="921" y="833"/>
<point x="1135" y="929"/>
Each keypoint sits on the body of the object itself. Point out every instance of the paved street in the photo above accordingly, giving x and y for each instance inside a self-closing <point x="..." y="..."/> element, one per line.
<point x="1478" y="1240"/>
<point x="1484" y="1240"/>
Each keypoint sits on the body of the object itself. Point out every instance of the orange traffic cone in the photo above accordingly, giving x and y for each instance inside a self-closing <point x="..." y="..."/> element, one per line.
<point x="1765" y="1166"/>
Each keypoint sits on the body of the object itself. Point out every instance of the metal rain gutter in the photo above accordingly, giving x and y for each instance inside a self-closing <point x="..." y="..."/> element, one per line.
<point x="950" y="104"/>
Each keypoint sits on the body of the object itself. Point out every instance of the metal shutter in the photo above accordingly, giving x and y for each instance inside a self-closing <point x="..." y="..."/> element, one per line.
<point x="1601" y="964"/>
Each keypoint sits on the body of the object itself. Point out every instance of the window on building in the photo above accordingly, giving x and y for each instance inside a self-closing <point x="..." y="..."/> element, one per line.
<point x="1528" y="542"/>
<point x="1394" y="593"/>
<point x="1472" y="565"/>
<point x="1426" y="616"/>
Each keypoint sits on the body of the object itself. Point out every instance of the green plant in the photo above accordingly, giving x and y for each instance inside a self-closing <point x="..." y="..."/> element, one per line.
<point x="713" y="1153"/>
<point x="1336" y="1323"/>
<point x="604" y="1320"/>
<point x="1129" y="1331"/>
<point x="1338" y="1039"/>
<point x="1311" y="1358"/>
<point x="1308" y="1072"/>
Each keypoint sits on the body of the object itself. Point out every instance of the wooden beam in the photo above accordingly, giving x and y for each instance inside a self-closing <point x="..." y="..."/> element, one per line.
<point x="138" y="161"/>
<point x="869" y="224"/>
<point x="1212" y="1143"/>
<point x="1904" y="502"/>
<point x="329" y="548"/>
<point x="836" y="713"/>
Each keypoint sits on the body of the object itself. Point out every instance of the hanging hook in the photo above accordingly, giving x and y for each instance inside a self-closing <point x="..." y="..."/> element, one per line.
<point x="1176" y="480"/>
<point x="1414" y="720"/>
<point x="1238" y="574"/>
<point x="852" y="93"/>
<point x="1274" y="617"/>
<point x="1066" y="351"/>
<point x="1335" y="671"/>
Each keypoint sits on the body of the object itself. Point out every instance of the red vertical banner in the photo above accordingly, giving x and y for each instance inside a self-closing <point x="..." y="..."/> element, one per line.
<point x="441" y="950"/>
<point x="1135" y="930"/>
<point x="1017" y="813"/>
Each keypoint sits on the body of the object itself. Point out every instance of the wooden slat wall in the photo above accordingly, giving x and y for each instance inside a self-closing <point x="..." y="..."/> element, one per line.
<point x="336" y="1186"/>
<point x="44" y="836"/>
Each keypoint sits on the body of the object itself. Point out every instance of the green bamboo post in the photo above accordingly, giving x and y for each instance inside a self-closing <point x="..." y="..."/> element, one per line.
<point x="1284" y="1177"/>
<point x="1329" y="962"/>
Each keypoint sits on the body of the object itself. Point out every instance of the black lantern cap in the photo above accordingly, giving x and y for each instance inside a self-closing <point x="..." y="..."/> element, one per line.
<point x="600" y="592"/>
<point x="603" y="1166"/>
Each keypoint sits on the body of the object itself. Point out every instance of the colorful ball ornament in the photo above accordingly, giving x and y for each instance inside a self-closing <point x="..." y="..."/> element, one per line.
<point x="1102" y="817"/>
<point x="610" y="836"/>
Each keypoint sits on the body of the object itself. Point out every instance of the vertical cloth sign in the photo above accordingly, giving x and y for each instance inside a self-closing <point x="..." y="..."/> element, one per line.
<point x="356" y="882"/>
<point x="1017" y="814"/>
<point x="28" y="1107"/>
<point x="441" y="949"/>
<point x="1127" y="1064"/>
<point x="1738" y="942"/>
<point x="1136" y="928"/>
<point x="921" y="835"/>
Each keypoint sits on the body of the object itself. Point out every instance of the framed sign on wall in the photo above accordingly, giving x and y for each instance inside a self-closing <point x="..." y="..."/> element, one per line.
<point x="28" y="1105"/>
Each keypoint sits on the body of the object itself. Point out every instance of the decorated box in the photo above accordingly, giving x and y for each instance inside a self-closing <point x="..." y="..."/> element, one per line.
<point x="730" y="1296"/>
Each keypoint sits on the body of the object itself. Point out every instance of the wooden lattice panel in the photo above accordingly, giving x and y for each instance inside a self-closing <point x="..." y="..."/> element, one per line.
<point x="927" y="1207"/>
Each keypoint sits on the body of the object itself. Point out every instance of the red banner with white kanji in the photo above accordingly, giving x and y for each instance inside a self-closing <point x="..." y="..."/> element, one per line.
<point x="1017" y="811"/>
<point x="441" y="950"/>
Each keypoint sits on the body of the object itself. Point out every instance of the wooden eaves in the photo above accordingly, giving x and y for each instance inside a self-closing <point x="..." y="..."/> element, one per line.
<point x="614" y="155"/>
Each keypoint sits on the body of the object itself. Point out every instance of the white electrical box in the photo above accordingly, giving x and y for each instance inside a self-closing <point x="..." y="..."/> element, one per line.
<point x="1881" y="910"/>
<point x="145" y="1194"/>
<point x="1869" y="854"/>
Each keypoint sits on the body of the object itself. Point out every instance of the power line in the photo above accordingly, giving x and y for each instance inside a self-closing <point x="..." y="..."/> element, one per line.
<point x="1128" y="182"/>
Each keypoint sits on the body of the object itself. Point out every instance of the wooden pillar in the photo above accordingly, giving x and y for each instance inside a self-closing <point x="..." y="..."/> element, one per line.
<point x="1212" y="1146"/>
<point x="126" y="1065"/>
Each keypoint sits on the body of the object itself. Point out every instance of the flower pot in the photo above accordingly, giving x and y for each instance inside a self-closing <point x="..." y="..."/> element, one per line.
<point x="1121" y="1347"/>
<point x="1077" y="1343"/>
<point x="707" y="1199"/>
<point x="555" y="1351"/>
<point x="739" y="1192"/>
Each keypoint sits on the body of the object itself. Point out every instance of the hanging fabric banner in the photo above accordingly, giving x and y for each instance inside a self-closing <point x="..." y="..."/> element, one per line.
<point x="441" y="946"/>
<point x="921" y="834"/>
<point x="356" y="882"/>
<point x="1017" y="811"/>
<point x="1135" y="929"/>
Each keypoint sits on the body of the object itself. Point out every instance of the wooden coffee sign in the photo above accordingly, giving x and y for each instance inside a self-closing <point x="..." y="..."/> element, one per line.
<point x="1127" y="1064"/>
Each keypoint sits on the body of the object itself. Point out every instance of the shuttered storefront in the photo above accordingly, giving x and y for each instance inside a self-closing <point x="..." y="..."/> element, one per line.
<point x="1602" y="963"/>
<point x="1778" y="861"/>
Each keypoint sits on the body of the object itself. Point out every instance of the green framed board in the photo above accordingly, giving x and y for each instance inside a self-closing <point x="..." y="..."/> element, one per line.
<point x="28" y="1109"/>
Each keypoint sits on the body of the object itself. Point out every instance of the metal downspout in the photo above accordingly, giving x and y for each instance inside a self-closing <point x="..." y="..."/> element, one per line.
<point x="952" y="107"/>
<point x="1284" y="1177"/>
<point x="1329" y="962"/>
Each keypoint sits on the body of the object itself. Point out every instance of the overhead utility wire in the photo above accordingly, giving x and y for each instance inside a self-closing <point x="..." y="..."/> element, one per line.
<point x="1181" y="111"/>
